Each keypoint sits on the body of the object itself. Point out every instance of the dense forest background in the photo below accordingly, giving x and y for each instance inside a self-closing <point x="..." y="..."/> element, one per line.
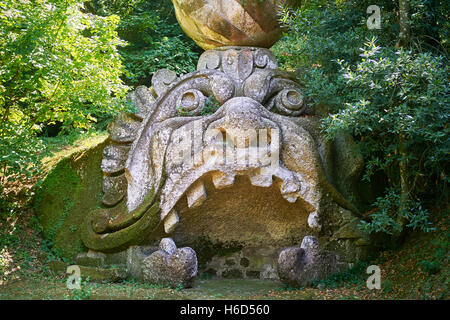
<point x="67" y="65"/>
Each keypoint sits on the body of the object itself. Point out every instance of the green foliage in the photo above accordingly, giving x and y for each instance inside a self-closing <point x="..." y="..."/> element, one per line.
<point x="57" y="65"/>
<point x="20" y="154"/>
<point x="84" y="293"/>
<point x="155" y="40"/>
<point x="430" y="25"/>
<point x="394" y="102"/>
<point x="439" y="258"/>
<point x="12" y="159"/>
<point x="397" y="103"/>
<point x="430" y="267"/>
<point x="320" y="32"/>
<point x="388" y="286"/>
<point x="353" y="276"/>
<point x="390" y="206"/>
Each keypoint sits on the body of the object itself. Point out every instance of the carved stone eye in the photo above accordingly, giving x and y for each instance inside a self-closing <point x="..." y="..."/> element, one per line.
<point x="290" y="102"/>
<point x="191" y="103"/>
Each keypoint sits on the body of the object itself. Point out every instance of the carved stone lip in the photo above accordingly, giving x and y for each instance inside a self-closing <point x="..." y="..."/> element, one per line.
<point x="145" y="185"/>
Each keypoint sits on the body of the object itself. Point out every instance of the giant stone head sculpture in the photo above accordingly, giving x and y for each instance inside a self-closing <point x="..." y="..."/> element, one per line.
<point x="229" y="156"/>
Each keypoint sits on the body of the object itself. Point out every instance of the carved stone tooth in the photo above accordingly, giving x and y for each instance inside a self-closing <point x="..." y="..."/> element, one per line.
<point x="289" y="186"/>
<point x="259" y="179"/>
<point x="292" y="198"/>
<point x="313" y="221"/>
<point x="222" y="180"/>
<point x="171" y="221"/>
<point x="196" y="195"/>
<point x="290" y="190"/>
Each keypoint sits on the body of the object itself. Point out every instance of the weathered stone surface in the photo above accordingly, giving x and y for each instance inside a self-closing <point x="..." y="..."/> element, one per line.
<point x="217" y="23"/>
<point x="299" y="266"/>
<point x="143" y="99"/>
<point x="171" y="221"/>
<point x="196" y="195"/>
<point x="123" y="129"/>
<point x="135" y="258"/>
<point x="162" y="79"/>
<point x="256" y="172"/>
<point x="350" y="231"/>
<point x="114" y="158"/>
<point x="173" y="267"/>
<point x="349" y="165"/>
<point x="117" y="229"/>
<point x="191" y="102"/>
<point x="253" y="170"/>
<point x="91" y="259"/>
<point x="114" y="190"/>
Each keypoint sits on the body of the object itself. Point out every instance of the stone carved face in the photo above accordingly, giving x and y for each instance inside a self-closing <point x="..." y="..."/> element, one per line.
<point x="256" y="171"/>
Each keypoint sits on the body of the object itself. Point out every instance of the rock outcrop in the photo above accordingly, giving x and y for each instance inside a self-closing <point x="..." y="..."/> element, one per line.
<point x="170" y="266"/>
<point x="300" y="266"/>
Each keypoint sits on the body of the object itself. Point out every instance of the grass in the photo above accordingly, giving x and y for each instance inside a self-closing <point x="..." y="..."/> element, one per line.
<point x="61" y="147"/>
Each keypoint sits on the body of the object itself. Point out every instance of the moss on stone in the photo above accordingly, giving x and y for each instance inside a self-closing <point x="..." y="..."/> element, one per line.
<point x="70" y="190"/>
<point x="120" y="240"/>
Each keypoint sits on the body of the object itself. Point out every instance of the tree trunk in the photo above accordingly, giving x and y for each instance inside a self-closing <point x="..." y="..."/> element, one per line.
<point x="405" y="187"/>
<point x="405" y="29"/>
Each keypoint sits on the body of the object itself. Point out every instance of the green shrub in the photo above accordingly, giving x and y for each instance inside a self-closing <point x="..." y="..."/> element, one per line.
<point x="393" y="101"/>
<point x="430" y="267"/>
<point x="84" y="293"/>
<point x="321" y="32"/>
<point x="353" y="276"/>
<point x="397" y="105"/>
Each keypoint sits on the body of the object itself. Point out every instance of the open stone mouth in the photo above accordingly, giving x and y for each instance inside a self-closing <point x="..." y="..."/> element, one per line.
<point x="237" y="141"/>
<point x="237" y="211"/>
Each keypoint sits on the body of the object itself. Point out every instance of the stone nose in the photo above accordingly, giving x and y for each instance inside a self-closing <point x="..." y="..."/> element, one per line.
<point x="243" y="123"/>
<point x="242" y="113"/>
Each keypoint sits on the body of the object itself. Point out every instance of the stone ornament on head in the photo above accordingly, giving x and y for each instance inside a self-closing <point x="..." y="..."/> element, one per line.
<point x="218" y="23"/>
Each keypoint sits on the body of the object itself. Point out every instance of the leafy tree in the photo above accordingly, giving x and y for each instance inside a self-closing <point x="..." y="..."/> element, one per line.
<point x="397" y="104"/>
<point x="154" y="38"/>
<point x="57" y="64"/>
<point x="394" y="101"/>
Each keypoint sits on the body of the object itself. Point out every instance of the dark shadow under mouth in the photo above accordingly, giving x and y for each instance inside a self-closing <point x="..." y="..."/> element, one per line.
<point x="243" y="213"/>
